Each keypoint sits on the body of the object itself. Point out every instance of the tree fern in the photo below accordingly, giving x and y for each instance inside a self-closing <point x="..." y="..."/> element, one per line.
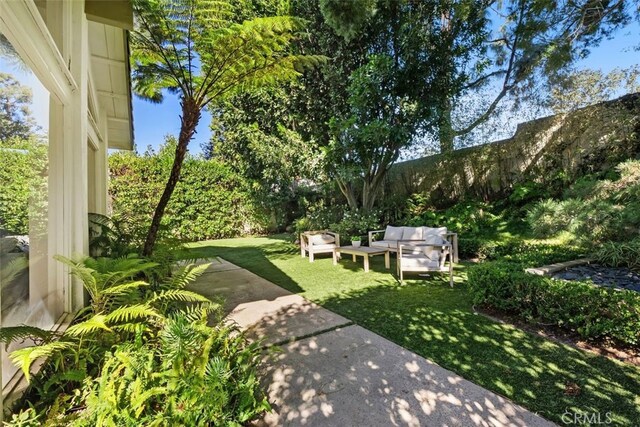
<point x="192" y="48"/>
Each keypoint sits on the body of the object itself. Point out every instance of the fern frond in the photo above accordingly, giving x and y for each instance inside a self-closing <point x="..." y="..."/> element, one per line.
<point x="139" y="400"/>
<point x="133" y="328"/>
<point x="131" y="312"/>
<point x="93" y="324"/>
<point x="187" y="274"/>
<point x="82" y="272"/>
<point x="10" y="334"/>
<point x="24" y="357"/>
<point x="123" y="288"/>
<point x="179" y="295"/>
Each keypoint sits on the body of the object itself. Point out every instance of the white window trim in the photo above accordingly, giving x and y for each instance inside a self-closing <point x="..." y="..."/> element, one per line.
<point x="22" y="25"/>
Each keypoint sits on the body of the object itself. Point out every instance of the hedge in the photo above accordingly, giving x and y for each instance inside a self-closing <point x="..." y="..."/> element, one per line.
<point x="209" y="202"/>
<point x="595" y="313"/>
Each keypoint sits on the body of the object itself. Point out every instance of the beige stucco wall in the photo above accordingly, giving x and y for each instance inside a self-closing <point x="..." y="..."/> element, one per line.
<point x="591" y="139"/>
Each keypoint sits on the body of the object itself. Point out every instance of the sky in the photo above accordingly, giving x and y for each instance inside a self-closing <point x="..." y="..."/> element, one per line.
<point x="153" y="121"/>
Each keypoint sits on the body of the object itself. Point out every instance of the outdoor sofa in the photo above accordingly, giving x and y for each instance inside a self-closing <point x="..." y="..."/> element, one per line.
<point x="419" y="249"/>
<point x="392" y="235"/>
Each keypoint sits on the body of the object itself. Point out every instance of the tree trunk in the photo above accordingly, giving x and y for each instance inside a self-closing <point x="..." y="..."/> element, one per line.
<point x="347" y="190"/>
<point x="445" y="127"/>
<point x="189" y="120"/>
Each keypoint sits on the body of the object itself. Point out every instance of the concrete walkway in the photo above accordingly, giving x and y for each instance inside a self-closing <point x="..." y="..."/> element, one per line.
<point x="331" y="372"/>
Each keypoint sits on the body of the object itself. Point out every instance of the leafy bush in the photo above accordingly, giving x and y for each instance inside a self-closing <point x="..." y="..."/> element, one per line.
<point x="318" y="217"/>
<point x="593" y="211"/>
<point x="193" y="375"/>
<point x="617" y="254"/>
<point x="357" y="223"/>
<point x="595" y="313"/>
<point x="528" y="191"/>
<point x="336" y="218"/>
<point x="210" y="200"/>
<point x="465" y="217"/>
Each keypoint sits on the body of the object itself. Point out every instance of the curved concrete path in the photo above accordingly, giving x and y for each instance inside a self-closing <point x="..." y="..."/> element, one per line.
<point x="331" y="372"/>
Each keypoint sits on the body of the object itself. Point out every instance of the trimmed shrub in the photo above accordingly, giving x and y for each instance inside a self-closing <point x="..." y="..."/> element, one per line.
<point x="595" y="313"/>
<point x="210" y="200"/>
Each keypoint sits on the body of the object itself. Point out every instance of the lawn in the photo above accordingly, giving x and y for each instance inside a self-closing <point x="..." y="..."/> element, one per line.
<point x="439" y="323"/>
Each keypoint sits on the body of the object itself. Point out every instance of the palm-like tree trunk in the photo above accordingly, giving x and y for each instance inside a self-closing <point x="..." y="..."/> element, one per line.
<point x="191" y="113"/>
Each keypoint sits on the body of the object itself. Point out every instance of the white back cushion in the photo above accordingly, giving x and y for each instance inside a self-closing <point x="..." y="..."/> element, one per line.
<point x="429" y="232"/>
<point x="393" y="233"/>
<point x="411" y="233"/>
<point x="322" y="239"/>
<point x="432" y="253"/>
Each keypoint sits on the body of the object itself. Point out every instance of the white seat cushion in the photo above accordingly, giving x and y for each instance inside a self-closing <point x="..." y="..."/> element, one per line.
<point x="392" y="233"/>
<point x="412" y="233"/>
<point x="382" y="244"/>
<point x="410" y="261"/>
<point x="322" y="239"/>
<point x="327" y="247"/>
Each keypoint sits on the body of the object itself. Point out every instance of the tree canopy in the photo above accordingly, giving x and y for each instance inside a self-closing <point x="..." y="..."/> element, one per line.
<point x="15" y="112"/>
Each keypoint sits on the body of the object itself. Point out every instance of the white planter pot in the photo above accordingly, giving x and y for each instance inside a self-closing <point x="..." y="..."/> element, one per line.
<point x="356" y="244"/>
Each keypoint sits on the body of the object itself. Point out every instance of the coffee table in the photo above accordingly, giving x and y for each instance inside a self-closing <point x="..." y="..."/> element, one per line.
<point x="363" y="251"/>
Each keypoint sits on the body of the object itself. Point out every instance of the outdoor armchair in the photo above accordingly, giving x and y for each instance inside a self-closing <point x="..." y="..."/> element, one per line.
<point x="317" y="242"/>
<point x="425" y="257"/>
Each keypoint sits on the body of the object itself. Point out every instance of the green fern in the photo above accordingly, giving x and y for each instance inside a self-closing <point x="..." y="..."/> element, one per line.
<point x="11" y="334"/>
<point x="24" y="357"/>
<point x="93" y="324"/>
<point x="186" y="274"/>
<point x="130" y="313"/>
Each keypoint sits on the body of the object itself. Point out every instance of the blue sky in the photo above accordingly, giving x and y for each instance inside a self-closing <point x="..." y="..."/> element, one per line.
<point x="153" y="121"/>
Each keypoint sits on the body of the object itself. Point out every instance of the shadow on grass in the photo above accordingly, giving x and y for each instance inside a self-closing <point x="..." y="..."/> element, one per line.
<point x="438" y="323"/>
<point x="257" y="259"/>
<point x="434" y="321"/>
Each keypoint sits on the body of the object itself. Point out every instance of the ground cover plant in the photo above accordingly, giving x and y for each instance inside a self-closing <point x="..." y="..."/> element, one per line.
<point x="440" y="323"/>
<point x="141" y="353"/>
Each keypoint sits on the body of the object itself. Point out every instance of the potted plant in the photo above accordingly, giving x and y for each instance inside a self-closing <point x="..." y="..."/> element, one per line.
<point x="355" y="241"/>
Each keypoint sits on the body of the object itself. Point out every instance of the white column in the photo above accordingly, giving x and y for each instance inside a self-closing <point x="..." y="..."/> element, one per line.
<point x="75" y="150"/>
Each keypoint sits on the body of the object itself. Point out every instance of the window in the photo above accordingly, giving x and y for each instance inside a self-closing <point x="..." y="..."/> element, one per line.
<point x="28" y="295"/>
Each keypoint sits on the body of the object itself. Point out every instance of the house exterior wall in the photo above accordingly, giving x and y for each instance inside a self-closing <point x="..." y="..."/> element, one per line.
<point x="51" y="38"/>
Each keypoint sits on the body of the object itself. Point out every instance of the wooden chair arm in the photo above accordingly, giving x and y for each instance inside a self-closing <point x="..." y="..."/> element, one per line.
<point x="371" y="233"/>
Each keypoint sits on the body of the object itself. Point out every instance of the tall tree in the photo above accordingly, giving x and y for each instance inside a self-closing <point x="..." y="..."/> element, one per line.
<point x="194" y="49"/>
<point x="15" y="112"/>
<point x="368" y="141"/>
<point x="507" y="45"/>
<point x="390" y="96"/>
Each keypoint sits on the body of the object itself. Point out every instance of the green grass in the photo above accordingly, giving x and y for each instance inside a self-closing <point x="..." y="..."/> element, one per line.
<point x="437" y="322"/>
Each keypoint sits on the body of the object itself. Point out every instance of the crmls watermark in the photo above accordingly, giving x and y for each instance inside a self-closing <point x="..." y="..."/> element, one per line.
<point x="577" y="417"/>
